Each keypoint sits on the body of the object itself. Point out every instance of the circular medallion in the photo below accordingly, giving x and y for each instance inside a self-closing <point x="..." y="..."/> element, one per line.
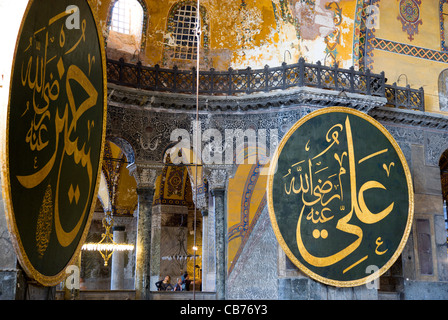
<point x="55" y="135"/>
<point x="340" y="197"/>
<point x="409" y="11"/>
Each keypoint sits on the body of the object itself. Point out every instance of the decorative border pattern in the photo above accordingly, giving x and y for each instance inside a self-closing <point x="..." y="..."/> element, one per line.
<point x="362" y="47"/>
<point x="443" y="45"/>
<point x="358" y="35"/>
<point x="244" y="228"/>
<point x="333" y="39"/>
<point x="409" y="50"/>
<point x="363" y="59"/>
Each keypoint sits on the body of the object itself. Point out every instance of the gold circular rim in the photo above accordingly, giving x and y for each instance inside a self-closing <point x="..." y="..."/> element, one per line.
<point x="24" y="261"/>
<point x="277" y="232"/>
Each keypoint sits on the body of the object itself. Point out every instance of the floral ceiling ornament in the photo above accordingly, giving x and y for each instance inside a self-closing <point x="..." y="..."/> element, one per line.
<point x="410" y="16"/>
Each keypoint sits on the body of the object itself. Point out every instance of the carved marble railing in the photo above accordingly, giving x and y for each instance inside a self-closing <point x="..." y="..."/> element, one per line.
<point x="247" y="81"/>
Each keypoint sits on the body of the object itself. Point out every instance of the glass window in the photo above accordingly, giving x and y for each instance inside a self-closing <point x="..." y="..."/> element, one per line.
<point x="186" y="45"/>
<point x="127" y="17"/>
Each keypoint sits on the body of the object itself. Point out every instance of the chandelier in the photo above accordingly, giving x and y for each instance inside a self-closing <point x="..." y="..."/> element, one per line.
<point x="106" y="246"/>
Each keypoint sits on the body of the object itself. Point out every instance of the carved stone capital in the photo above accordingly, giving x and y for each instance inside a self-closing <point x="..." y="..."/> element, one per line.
<point x="145" y="173"/>
<point x="201" y="202"/>
<point x="217" y="176"/>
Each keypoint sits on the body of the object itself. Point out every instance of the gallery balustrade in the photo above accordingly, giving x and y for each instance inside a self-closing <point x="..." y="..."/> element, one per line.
<point x="247" y="81"/>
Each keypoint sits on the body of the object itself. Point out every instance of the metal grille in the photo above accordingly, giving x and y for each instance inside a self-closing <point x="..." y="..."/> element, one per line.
<point x="233" y="82"/>
<point x="121" y="17"/>
<point x="184" y="33"/>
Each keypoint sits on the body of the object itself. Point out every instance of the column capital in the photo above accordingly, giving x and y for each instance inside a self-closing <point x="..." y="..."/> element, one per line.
<point x="217" y="176"/>
<point x="201" y="202"/>
<point x="145" y="173"/>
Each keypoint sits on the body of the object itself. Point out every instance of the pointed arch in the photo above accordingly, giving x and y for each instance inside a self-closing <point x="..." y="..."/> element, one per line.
<point x="443" y="164"/>
<point x="179" y="154"/>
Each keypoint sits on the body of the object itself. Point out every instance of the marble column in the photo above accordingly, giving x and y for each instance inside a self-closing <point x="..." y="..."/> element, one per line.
<point x="10" y="273"/>
<point x="220" y="244"/>
<point x="117" y="278"/>
<point x="217" y="179"/>
<point x="145" y="175"/>
<point x="202" y="203"/>
<point x="206" y="243"/>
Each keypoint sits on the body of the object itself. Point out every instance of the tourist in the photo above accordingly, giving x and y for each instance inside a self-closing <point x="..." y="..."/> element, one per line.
<point x="164" y="285"/>
<point x="178" y="286"/>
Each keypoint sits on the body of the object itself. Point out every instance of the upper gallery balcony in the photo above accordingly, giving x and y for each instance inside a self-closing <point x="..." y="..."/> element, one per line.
<point x="247" y="81"/>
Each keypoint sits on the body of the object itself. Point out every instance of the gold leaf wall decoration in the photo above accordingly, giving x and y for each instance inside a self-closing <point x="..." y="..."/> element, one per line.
<point x="44" y="222"/>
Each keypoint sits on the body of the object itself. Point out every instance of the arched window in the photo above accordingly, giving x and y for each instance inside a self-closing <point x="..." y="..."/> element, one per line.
<point x="443" y="90"/>
<point x="182" y="46"/>
<point x="186" y="44"/>
<point x="126" y="27"/>
<point x="127" y="17"/>
<point x="443" y="164"/>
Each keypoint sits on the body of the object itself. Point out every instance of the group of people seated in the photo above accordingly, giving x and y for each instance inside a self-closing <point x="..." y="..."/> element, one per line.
<point x="183" y="284"/>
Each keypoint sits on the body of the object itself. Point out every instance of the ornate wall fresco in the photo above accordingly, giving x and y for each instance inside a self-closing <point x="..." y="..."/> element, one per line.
<point x="250" y="33"/>
<point x="171" y="186"/>
<point x="119" y="184"/>
<point x="249" y="187"/>
<point x="409" y="16"/>
<point x="259" y="33"/>
<point x="324" y="29"/>
<point x="247" y="33"/>
<point x="411" y="34"/>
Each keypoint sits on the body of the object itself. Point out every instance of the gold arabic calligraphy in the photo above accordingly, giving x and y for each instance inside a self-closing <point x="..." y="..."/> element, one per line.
<point x="317" y="193"/>
<point x="52" y="74"/>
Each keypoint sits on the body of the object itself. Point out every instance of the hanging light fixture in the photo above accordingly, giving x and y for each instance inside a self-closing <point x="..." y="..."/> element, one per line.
<point x="106" y="246"/>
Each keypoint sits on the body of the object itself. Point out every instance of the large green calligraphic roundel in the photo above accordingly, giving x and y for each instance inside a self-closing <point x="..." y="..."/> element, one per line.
<point x="340" y="197"/>
<point x="55" y="135"/>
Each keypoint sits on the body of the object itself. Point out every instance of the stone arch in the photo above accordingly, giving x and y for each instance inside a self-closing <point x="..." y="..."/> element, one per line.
<point x="118" y="185"/>
<point x="248" y="186"/>
<point x="125" y="146"/>
<point x="443" y="164"/>
<point x="443" y="90"/>
<point x="179" y="226"/>
<point x="182" y="155"/>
